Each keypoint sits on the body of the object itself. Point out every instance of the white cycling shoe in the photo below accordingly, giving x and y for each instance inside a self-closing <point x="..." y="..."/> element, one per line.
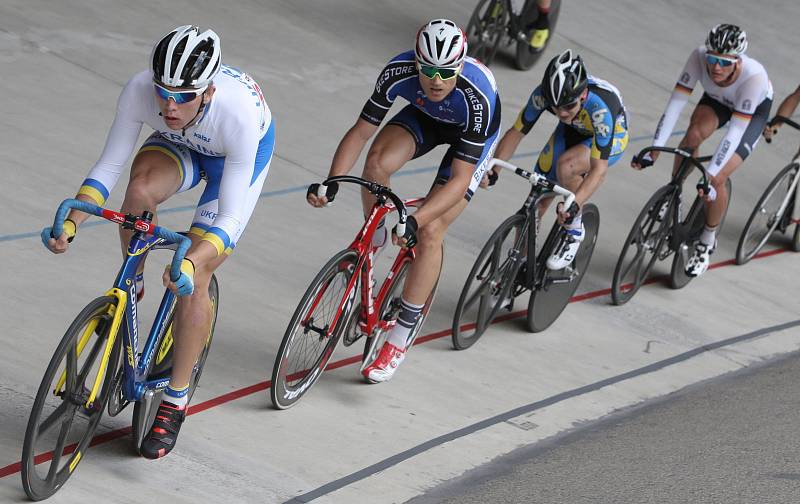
<point x="566" y="252"/>
<point x="700" y="260"/>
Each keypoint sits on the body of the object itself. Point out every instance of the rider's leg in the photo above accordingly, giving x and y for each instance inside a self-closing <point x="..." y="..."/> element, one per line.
<point x="159" y="170"/>
<point x="704" y="122"/>
<point x="193" y="317"/>
<point x="155" y="177"/>
<point x="393" y="147"/>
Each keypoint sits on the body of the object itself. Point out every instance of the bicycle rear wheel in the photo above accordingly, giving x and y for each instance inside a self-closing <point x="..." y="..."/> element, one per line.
<point x="765" y="218"/>
<point x="551" y="296"/>
<point x="144" y="411"/>
<point x="645" y="240"/>
<point x="678" y="277"/>
<point x="486" y="27"/>
<point x="526" y="56"/>
<point x="489" y="282"/>
<point x="61" y="425"/>
<point x="309" y="341"/>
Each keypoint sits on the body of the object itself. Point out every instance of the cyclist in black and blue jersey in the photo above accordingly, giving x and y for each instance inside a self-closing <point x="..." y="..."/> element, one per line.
<point x="452" y="100"/>
<point x="591" y="135"/>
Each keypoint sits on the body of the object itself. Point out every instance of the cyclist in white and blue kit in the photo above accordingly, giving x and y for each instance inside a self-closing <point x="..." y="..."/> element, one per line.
<point x="452" y="100"/>
<point x="211" y="123"/>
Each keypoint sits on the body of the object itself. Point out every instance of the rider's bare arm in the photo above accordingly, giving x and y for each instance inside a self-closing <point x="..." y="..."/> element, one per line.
<point x="786" y="109"/>
<point x="449" y="195"/>
<point x="351" y="146"/>
<point x="597" y="174"/>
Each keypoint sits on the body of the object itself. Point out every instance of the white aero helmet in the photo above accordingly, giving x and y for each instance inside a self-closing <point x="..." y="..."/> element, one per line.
<point x="727" y="39"/>
<point x="441" y="43"/>
<point x="187" y="58"/>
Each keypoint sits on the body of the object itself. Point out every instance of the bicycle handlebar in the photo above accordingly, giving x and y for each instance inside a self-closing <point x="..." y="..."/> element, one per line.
<point x="536" y="179"/>
<point x="377" y="190"/>
<point x="785" y="120"/>
<point x="696" y="161"/>
<point x="128" y="221"/>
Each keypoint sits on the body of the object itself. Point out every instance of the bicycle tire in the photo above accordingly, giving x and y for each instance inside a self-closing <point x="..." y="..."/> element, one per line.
<point x="163" y="367"/>
<point x="374" y="342"/>
<point x="796" y="238"/>
<point x="678" y="278"/>
<point x="545" y="305"/>
<point x="649" y="235"/>
<point x="758" y="232"/>
<point x="484" y="31"/>
<point x="70" y="405"/>
<point x="525" y="57"/>
<point x="288" y="386"/>
<point x="490" y="256"/>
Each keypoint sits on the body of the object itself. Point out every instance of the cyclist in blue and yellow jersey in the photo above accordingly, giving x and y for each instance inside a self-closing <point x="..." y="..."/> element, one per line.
<point x="591" y="135"/>
<point x="452" y="100"/>
<point x="211" y="123"/>
<point x="737" y="90"/>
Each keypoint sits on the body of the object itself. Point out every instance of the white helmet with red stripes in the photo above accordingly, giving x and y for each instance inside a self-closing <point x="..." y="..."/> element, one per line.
<point x="441" y="43"/>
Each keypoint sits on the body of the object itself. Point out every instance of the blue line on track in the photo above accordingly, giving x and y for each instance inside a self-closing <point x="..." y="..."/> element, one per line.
<point x="279" y="192"/>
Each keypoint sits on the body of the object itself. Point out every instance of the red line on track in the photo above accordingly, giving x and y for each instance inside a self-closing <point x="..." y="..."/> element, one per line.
<point x="261" y="386"/>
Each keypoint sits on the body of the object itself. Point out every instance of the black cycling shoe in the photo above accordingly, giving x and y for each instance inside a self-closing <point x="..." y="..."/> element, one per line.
<point x="164" y="432"/>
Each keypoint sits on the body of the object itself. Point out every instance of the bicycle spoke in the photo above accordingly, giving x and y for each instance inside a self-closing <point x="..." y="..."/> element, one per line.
<point x="66" y="426"/>
<point x="50" y="421"/>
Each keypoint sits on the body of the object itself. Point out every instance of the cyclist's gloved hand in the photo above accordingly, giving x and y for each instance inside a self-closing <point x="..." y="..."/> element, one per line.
<point x="60" y="244"/>
<point x="184" y="285"/>
<point x="490" y="178"/>
<point x="320" y="195"/>
<point x="409" y="238"/>
<point x="642" y="162"/>
<point x="566" y="216"/>
<point x="711" y="195"/>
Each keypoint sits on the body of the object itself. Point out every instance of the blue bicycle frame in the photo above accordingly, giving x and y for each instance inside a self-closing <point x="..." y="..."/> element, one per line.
<point x="147" y="237"/>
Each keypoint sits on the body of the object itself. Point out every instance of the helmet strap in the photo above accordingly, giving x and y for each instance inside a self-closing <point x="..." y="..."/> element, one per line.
<point x="194" y="119"/>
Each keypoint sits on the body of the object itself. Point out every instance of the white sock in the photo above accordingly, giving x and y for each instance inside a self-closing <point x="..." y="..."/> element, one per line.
<point x="178" y="397"/>
<point x="708" y="236"/>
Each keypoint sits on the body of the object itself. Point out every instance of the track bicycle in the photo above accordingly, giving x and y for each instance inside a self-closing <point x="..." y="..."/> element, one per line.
<point x="505" y="269"/>
<point x="663" y="228"/>
<point x="776" y="210"/>
<point x="341" y="303"/>
<point x="494" y="22"/>
<point x="98" y="364"/>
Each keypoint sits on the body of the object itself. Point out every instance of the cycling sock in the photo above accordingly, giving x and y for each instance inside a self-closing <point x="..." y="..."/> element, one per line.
<point x="381" y="234"/>
<point x="708" y="236"/>
<point x="178" y="397"/>
<point x="409" y="314"/>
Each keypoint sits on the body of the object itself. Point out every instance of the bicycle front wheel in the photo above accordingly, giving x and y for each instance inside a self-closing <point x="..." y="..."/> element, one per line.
<point x="766" y="215"/>
<point x="144" y="411"/>
<point x="642" y="247"/>
<point x="310" y="339"/>
<point x="490" y="282"/>
<point x="62" y="422"/>
<point x="551" y="295"/>
<point x="486" y="27"/>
